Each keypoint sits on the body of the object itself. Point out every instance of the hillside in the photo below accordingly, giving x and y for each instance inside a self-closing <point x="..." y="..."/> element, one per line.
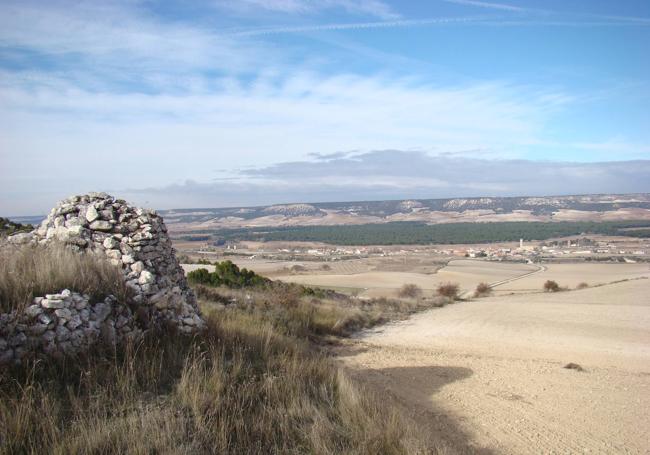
<point x="599" y="207"/>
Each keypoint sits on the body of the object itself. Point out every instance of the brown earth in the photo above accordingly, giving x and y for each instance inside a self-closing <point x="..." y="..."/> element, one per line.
<point x="487" y="376"/>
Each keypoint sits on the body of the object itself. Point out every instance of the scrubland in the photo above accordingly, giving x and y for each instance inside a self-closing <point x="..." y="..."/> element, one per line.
<point x="258" y="380"/>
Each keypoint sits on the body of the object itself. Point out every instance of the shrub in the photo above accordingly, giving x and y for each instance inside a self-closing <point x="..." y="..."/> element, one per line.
<point x="8" y="227"/>
<point x="448" y="290"/>
<point x="551" y="286"/>
<point x="29" y="271"/>
<point x="482" y="289"/>
<point x="582" y="285"/>
<point x="410" y="290"/>
<point x="226" y="274"/>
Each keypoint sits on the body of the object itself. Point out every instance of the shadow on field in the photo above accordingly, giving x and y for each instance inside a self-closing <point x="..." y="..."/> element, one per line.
<point x="411" y="389"/>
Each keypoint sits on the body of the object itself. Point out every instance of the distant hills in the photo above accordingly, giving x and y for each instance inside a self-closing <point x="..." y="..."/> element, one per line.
<point x="596" y="207"/>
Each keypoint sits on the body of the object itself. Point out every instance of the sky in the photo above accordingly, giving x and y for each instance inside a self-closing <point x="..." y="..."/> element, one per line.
<point x="211" y="103"/>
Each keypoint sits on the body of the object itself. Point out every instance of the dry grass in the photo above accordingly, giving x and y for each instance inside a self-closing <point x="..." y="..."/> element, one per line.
<point x="410" y="290"/>
<point x="307" y="317"/>
<point x="551" y="286"/>
<point x="482" y="290"/>
<point x="252" y="383"/>
<point x="242" y="387"/>
<point x="448" y="290"/>
<point x="34" y="270"/>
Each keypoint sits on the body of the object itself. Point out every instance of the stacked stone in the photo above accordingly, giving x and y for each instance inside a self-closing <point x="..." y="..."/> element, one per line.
<point x="131" y="238"/>
<point x="64" y="323"/>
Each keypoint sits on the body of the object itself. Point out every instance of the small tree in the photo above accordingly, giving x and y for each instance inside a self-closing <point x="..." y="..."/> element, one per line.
<point x="410" y="290"/>
<point x="482" y="289"/>
<point x="551" y="286"/>
<point x="449" y="290"/>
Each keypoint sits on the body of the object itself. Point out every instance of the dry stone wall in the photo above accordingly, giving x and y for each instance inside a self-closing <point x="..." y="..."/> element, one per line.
<point x="133" y="239"/>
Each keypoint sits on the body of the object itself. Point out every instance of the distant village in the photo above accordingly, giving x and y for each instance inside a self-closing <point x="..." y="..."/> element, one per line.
<point x="574" y="249"/>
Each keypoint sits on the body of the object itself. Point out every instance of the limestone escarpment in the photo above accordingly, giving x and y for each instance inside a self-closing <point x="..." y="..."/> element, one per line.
<point x="133" y="239"/>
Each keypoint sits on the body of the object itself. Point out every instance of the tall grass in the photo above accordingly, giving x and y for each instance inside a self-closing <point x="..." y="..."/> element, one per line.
<point x="294" y="314"/>
<point x="28" y="271"/>
<point x="242" y="387"/>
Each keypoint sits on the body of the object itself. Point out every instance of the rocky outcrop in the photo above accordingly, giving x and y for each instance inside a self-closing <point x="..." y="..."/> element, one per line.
<point x="131" y="238"/>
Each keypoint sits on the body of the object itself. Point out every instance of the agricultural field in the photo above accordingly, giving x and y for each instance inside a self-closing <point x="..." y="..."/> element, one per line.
<point x="565" y="372"/>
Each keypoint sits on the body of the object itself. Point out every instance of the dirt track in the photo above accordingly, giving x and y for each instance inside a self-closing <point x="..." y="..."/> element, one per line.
<point x="487" y="376"/>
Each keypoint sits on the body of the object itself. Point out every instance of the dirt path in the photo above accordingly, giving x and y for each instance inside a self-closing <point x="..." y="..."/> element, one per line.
<point x="488" y="376"/>
<point x="540" y="269"/>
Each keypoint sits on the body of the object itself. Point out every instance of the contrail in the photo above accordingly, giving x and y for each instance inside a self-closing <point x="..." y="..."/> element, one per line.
<point x="359" y="25"/>
<point x="594" y="20"/>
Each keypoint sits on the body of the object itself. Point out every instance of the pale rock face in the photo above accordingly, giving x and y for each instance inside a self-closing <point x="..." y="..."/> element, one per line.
<point x="91" y="214"/>
<point x="136" y="242"/>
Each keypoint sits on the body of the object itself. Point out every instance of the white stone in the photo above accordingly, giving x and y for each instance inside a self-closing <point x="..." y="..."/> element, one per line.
<point x="52" y="303"/>
<point x="110" y="243"/>
<point x="138" y="267"/>
<point x="91" y="214"/>
<point x="100" y="225"/>
<point x="128" y="259"/>
<point x="146" y="277"/>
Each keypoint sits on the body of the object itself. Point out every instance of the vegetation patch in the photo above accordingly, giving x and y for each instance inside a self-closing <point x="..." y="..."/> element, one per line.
<point x="412" y="233"/>
<point x="29" y="271"/>
<point x="8" y="227"/>
<point x="448" y="290"/>
<point x="240" y="387"/>
<point x="482" y="290"/>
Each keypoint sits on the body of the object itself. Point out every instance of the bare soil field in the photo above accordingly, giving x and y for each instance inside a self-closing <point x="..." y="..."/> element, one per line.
<point x="377" y="283"/>
<point x="570" y="275"/>
<point x="488" y="376"/>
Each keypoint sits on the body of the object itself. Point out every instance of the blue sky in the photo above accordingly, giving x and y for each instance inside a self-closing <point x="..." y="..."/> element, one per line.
<point x="217" y="103"/>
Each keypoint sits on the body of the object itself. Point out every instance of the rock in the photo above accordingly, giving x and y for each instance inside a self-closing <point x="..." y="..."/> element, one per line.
<point x="62" y="333"/>
<point x="100" y="225"/>
<point x="74" y="322"/>
<point x="63" y="314"/>
<point x="114" y="254"/>
<point x="110" y="243"/>
<point x="33" y="310"/>
<point x="38" y="329"/>
<point x="52" y="303"/>
<point x="146" y="277"/>
<point x="91" y="214"/>
<point x="45" y="319"/>
<point x="101" y="311"/>
<point x="133" y="239"/>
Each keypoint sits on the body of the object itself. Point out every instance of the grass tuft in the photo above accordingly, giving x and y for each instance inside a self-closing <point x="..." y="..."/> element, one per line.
<point x="28" y="271"/>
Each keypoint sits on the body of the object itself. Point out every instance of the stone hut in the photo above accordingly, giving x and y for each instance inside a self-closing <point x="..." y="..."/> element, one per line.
<point x="131" y="238"/>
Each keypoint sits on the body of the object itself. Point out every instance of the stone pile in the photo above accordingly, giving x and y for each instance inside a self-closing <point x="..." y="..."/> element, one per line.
<point x="131" y="238"/>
